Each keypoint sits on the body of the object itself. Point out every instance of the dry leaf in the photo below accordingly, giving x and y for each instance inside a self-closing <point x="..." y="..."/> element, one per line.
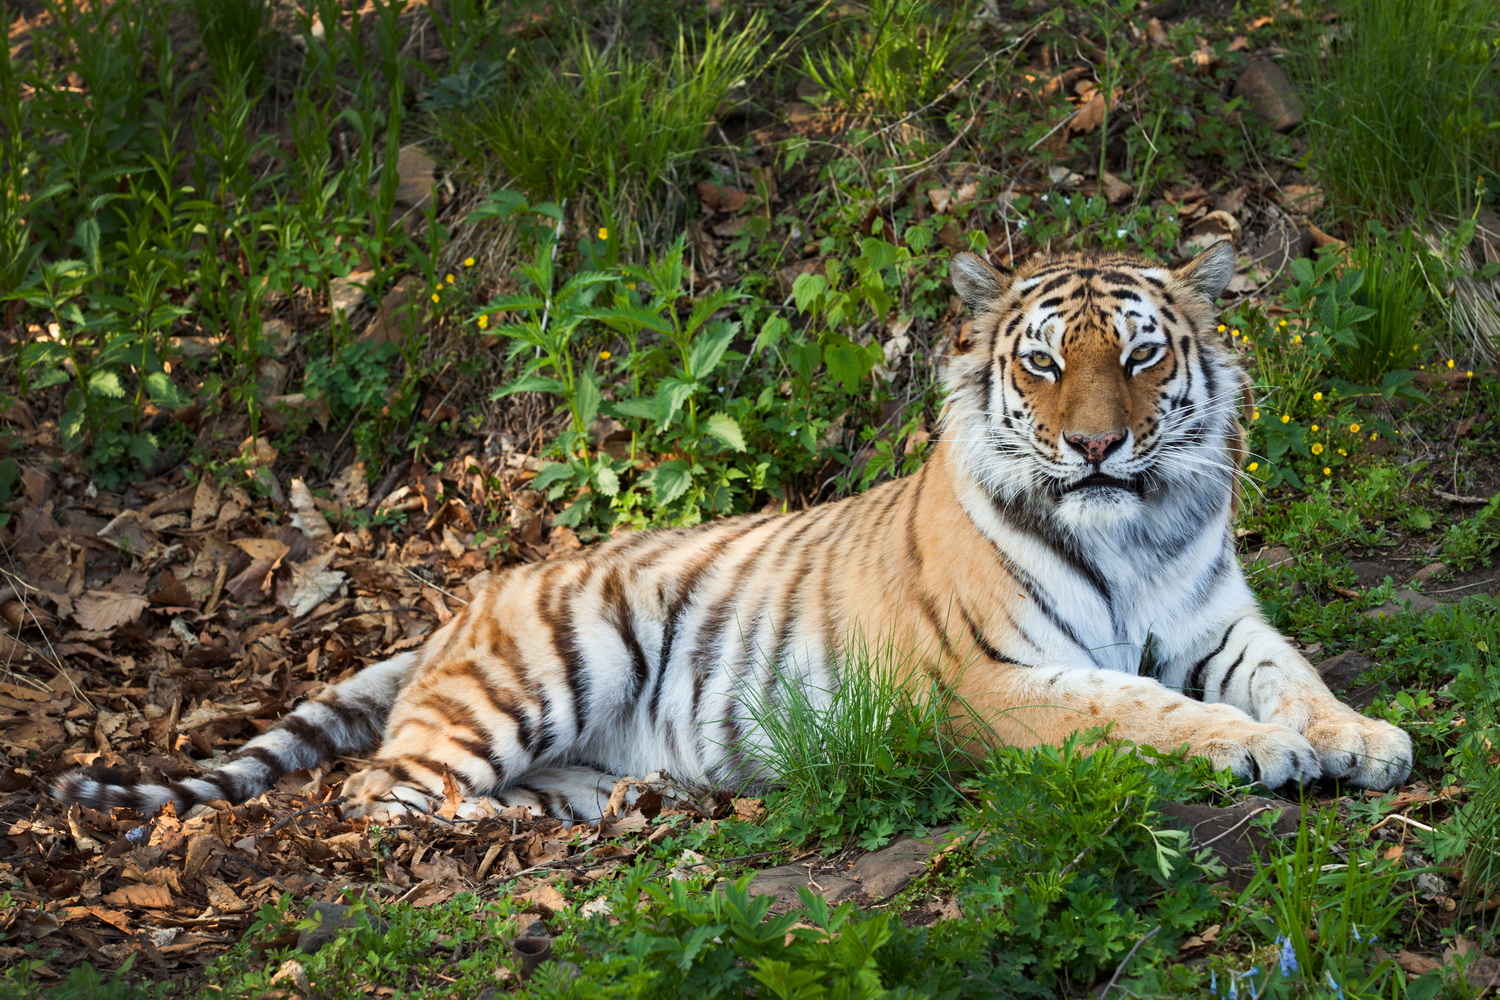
<point x="141" y="894"/>
<point x="1089" y="116"/>
<point x="306" y="517"/>
<point x="104" y="611"/>
<point x="546" y="896"/>
<point x="311" y="584"/>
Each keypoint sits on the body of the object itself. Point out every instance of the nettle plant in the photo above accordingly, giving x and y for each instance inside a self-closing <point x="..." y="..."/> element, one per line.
<point x="708" y="429"/>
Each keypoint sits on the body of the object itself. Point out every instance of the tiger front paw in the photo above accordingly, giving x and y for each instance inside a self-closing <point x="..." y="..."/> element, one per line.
<point x="1270" y="754"/>
<point x="1359" y="750"/>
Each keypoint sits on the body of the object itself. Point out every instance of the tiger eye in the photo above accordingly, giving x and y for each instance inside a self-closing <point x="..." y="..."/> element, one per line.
<point x="1039" y="359"/>
<point x="1142" y="353"/>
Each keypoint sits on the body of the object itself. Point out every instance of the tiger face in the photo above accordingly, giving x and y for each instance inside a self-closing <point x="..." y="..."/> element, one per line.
<point x="1096" y="384"/>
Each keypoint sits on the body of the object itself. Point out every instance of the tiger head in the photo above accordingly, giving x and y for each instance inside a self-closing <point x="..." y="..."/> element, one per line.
<point x="1095" y="385"/>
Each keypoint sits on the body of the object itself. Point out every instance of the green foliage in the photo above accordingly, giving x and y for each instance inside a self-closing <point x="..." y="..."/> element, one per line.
<point x="862" y="763"/>
<point x="891" y="57"/>
<point x="599" y="124"/>
<point x="1472" y="541"/>
<point x="1321" y="914"/>
<point x="1071" y="847"/>
<point x="1394" y="289"/>
<point x="1401" y="117"/>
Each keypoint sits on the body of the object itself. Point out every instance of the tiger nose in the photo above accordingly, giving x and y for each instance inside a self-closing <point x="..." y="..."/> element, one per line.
<point x="1097" y="449"/>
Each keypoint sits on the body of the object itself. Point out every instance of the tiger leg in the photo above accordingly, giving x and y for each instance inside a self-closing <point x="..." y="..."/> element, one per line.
<point x="1031" y="706"/>
<point x="1246" y="663"/>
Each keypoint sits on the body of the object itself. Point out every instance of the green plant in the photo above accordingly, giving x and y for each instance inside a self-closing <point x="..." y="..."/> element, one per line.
<point x="1401" y="117"/>
<point x="894" y="56"/>
<point x="863" y="762"/>
<point x="1394" y="288"/>
<point x="602" y="125"/>
<point x="1472" y="541"/>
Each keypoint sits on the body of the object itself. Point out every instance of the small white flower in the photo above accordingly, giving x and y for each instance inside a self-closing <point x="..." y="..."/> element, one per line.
<point x="1020" y="223"/>
<point x="1044" y="197"/>
<point x="1120" y="233"/>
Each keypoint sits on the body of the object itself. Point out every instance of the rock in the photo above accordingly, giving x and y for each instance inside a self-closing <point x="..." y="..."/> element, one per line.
<point x="395" y="320"/>
<point x="1273" y="558"/>
<point x="1341" y="671"/>
<point x="1233" y="834"/>
<point x="784" y="882"/>
<point x="1403" y="600"/>
<point x="1430" y="572"/>
<point x="418" y="173"/>
<point x="335" y="917"/>
<point x="1370" y="572"/>
<point x="1280" y="245"/>
<point x="1265" y="87"/>
<point x="1115" y="190"/>
<point x="349" y="293"/>
<point x="885" y="872"/>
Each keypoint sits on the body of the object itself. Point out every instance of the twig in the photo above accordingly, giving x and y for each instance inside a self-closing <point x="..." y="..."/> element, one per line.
<point x="1126" y="961"/>
<point x="1465" y="586"/>
<point x="1404" y="819"/>
<point x="1247" y="818"/>
<point x="310" y="809"/>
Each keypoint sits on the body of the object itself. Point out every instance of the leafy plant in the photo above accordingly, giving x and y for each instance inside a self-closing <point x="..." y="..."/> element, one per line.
<point x="894" y="56"/>
<point x="863" y="762"/>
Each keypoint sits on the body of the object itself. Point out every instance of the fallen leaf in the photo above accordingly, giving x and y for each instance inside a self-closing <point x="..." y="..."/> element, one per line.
<point x="141" y="894"/>
<point x="1201" y="941"/>
<point x="722" y="199"/>
<point x="311" y="584"/>
<point x="305" y="514"/>
<point x="546" y="896"/>
<point x="104" y="611"/>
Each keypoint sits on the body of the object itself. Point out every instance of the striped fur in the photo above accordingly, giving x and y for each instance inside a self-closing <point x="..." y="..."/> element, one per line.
<point x="1077" y="509"/>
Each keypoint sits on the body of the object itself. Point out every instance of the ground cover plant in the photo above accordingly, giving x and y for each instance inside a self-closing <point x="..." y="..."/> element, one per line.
<point x="315" y="313"/>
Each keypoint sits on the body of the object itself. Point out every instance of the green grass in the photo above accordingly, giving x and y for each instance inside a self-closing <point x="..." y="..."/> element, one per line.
<point x="615" y="132"/>
<point x="1401" y="110"/>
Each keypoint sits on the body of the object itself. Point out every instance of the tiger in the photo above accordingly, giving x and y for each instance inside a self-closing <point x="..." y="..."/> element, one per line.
<point x="1063" y="560"/>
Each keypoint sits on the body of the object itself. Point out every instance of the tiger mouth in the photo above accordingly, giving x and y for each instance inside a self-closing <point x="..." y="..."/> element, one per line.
<point x="1100" y="480"/>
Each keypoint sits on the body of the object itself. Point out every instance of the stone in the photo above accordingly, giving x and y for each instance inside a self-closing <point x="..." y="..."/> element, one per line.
<point x="1265" y="87"/>
<point x="418" y="173"/>
<point x="334" y="918"/>
<point x="349" y="293"/>
<point x="783" y="883"/>
<point x="1234" y="835"/>
<point x="1274" y="557"/>
<point x="1430" y="572"/>
<point x="1403" y="601"/>
<point x="885" y="872"/>
<point x="1341" y="671"/>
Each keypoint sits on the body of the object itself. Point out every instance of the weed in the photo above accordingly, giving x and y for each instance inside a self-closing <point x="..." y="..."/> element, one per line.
<point x="602" y="124"/>
<point x="1399" y="114"/>
<point x="862" y="762"/>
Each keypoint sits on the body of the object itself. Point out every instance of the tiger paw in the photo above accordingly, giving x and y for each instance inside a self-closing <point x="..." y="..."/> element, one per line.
<point x="1273" y="755"/>
<point x="1365" y="752"/>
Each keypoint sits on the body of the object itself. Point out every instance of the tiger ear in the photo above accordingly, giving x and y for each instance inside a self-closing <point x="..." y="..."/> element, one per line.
<point x="1210" y="271"/>
<point x="976" y="281"/>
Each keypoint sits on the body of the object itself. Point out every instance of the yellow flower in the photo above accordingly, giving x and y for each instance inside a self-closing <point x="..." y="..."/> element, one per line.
<point x="436" y="297"/>
<point x="1327" y="471"/>
<point x="1222" y="327"/>
<point x="1234" y="333"/>
<point x="1314" y="426"/>
<point x="1297" y="338"/>
<point x="1253" y="466"/>
<point x="1343" y="453"/>
<point x="604" y="355"/>
<point x="1282" y="323"/>
<point x="1354" y="428"/>
<point x="603" y="232"/>
<point x="630" y="285"/>
<point x="448" y="278"/>
<point x="1468" y="374"/>
<point x="1317" y="449"/>
<point x="1255" y="415"/>
<point x="1450" y="362"/>
<point x="1317" y="397"/>
<point x="1286" y="418"/>
<point x="484" y="322"/>
<point x="468" y="262"/>
<point x="1373" y="435"/>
